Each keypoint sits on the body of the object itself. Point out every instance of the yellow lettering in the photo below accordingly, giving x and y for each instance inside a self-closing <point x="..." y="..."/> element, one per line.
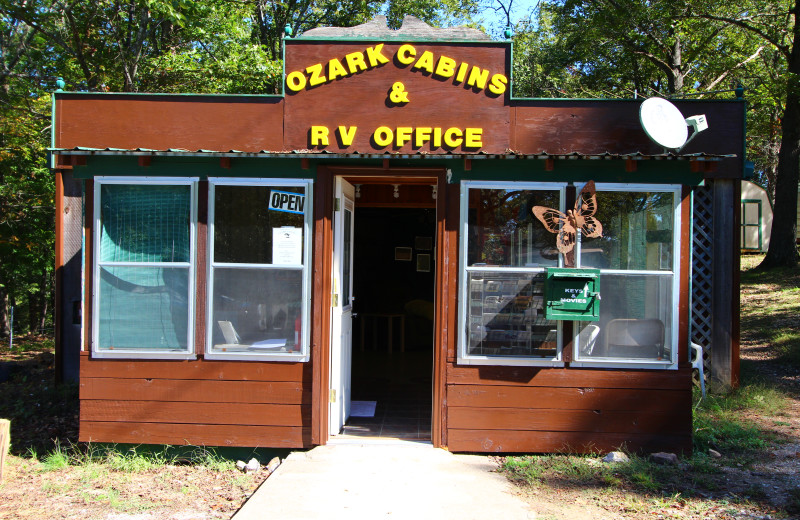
<point x="452" y="137"/>
<point x="403" y="134"/>
<point x="425" y="62"/>
<point x="383" y="136"/>
<point x="355" y="62"/>
<point x="462" y="72"/>
<point x="335" y="69"/>
<point x="319" y="136"/>
<point x="347" y="134"/>
<point x="375" y="55"/>
<point x="423" y="135"/>
<point x="446" y="67"/>
<point x="406" y="54"/>
<point x="296" y="81"/>
<point x="498" y="84"/>
<point x="477" y="77"/>
<point x="316" y="75"/>
<point x="437" y="137"/>
<point x="473" y="138"/>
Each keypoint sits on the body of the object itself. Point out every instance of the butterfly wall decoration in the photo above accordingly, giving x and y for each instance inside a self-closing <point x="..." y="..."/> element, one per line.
<point x="567" y="225"/>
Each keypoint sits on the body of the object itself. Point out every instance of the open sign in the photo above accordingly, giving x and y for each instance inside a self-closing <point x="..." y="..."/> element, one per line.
<point x="287" y="201"/>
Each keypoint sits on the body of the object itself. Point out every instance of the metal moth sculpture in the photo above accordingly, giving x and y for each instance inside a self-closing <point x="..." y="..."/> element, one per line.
<point x="581" y="218"/>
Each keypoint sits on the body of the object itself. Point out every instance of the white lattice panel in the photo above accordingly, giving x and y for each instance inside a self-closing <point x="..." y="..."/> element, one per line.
<point x="702" y="273"/>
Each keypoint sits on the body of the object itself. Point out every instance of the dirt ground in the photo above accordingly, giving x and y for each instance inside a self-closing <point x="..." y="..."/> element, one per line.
<point x="764" y="485"/>
<point x="34" y="487"/>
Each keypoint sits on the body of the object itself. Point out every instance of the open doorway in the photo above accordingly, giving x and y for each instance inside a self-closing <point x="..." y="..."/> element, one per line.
<point x="393" y="287"/>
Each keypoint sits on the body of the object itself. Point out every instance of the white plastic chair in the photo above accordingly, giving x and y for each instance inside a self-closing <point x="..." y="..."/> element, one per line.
<point x="698" y="364"/>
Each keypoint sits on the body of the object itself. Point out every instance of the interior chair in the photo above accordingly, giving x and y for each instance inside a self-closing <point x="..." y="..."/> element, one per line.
<point x="588" y="339"/>
<point x="631" y="338"/>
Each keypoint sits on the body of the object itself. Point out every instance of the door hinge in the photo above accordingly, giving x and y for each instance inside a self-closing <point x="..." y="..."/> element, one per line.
<point x="336" y="203"/>
<point x="335" y="300"/>
<point x="333" y="395"/>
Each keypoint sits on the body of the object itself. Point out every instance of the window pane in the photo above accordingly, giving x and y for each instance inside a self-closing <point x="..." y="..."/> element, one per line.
<point x="257" y="310"/>
<point x="144" y="223"/>
<point x="504" y="232"/>
<point x="505" y="316"/>
<point x="635" y="320"/>
<point x="143" y="308"/>
<point x="637" y="232"/>
<point x="244" y="222"/>
<point x="347" y="262"/>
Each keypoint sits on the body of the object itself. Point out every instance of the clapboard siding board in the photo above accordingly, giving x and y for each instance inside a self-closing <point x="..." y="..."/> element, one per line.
<point x="603" y="399"/>
<point x="195" y="390"/>
<point x="254" y="414"/>
<point x="208" y="370"/>
<point x="550" y="420"/>
<point x="523" y="441"/>
<point x="569" y="377"/>
<point x="195" y="434"/>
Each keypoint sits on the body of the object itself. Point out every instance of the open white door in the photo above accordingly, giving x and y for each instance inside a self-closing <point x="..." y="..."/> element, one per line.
<point x="342" y="306"/>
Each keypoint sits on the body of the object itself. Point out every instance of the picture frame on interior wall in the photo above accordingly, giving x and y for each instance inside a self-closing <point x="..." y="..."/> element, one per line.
<point x="424" y="263"/>
<point x="423" y="243"/>
<point x="403" y="254"/>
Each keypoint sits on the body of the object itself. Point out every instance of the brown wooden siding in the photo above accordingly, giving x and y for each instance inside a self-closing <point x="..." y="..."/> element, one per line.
<point x="218" y="403"/>
<point x="526" y="409"/>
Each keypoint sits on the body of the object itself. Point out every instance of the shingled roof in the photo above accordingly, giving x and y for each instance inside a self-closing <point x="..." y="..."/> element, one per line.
<point x="412" y="28"/>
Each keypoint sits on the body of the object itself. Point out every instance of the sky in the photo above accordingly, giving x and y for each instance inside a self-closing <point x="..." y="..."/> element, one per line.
<point x="496" y="20"/>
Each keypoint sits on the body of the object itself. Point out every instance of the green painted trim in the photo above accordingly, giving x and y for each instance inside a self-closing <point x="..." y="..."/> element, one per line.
<point x="743" y="225"/>
<point x="169" y="94"/>
<point x="394" y="39"/>
<point x="50" y="157"/>
<point x="648" y="172"/>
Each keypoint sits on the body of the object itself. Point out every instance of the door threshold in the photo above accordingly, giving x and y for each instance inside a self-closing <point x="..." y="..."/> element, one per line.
<point x="378" y="441"/>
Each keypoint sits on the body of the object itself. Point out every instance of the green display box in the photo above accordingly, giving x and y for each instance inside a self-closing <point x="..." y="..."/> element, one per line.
<point x="572" y="294"/>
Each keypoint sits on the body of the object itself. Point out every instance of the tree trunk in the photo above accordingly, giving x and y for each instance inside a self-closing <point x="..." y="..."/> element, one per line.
<point x="782" y="245"/>
<point x="5" y="325"/>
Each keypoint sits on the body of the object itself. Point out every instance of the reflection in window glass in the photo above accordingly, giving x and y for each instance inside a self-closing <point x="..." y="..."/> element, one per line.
<point x="142" y="223"/>
<point x="257" y="310"/>
<point x="258" y="275"/>
<point x="505" y="316"/>
<point x="244" y="222"/>
<point x="143" y="308"/>
<point x="503" y="230"/>
<point x="635" y="320"/>
<point x="637" y="232"/>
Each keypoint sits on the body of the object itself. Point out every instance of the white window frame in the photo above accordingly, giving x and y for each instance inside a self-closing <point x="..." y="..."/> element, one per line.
<point x="144" y="353"/>
<point x="463" y="294"/>
<point x="672" y="363"/>
<point x="290" y="357"/>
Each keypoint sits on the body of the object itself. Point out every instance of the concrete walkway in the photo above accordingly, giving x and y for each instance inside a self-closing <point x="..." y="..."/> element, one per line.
<point x="372" y="481"/>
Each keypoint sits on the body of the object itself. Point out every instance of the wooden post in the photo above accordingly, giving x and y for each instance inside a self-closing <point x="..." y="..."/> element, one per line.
<point x="5" y="441"/>
<point x="725" y="297"/>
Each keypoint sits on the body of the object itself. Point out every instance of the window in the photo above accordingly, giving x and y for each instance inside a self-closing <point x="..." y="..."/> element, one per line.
<point x="144" y="269"/>
<point x="504" y="253"/>
<point x="258" y="281"/>
<point x="638" y="261"/>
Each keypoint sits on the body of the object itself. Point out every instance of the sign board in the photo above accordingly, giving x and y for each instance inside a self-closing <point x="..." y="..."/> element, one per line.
<point x="572" y="294"/>
<point x="394" y="97"/>
<point x="287" y="246"/>
<point x="287" y="201"/>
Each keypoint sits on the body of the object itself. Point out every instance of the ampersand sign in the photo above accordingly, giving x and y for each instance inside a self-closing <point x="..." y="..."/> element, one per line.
<point x="398" y="94"/>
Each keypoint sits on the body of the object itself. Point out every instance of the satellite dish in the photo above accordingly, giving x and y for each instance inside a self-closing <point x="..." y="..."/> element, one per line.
<point x="663" y="123"/>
